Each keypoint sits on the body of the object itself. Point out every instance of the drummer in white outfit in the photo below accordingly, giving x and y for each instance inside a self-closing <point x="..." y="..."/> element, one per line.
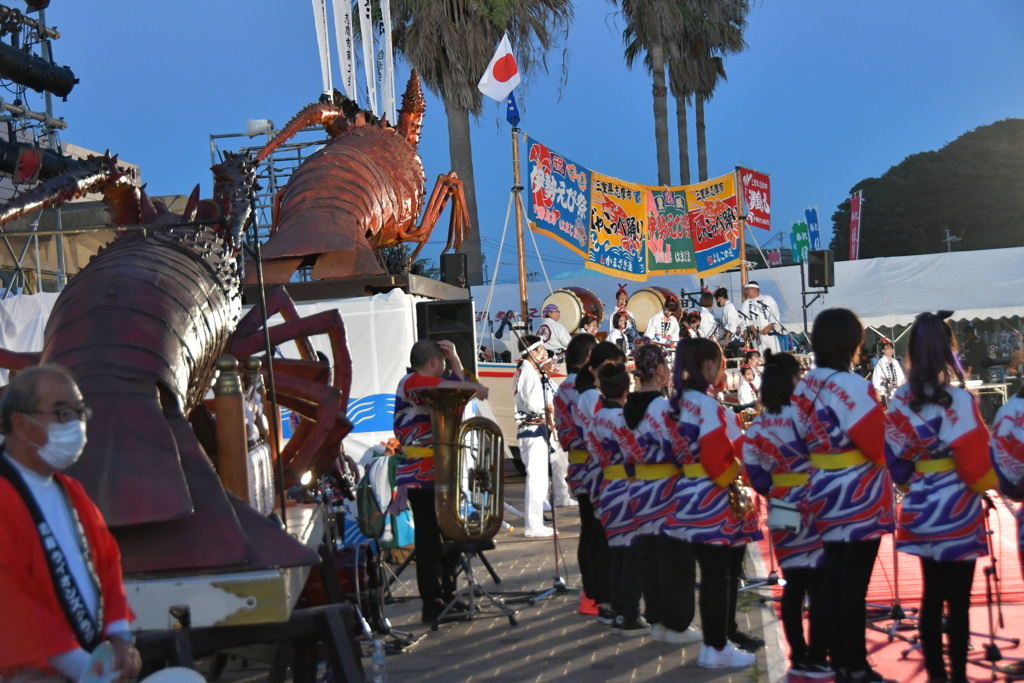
<point x="663" y="327"/>
<point x="708" y="324"/>
<point x="762" y="313"/>
<point x="552" y="332"/>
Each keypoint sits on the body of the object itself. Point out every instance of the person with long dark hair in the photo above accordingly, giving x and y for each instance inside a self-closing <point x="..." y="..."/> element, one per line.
<point x="587" y="479"/>
<point x="571" y="441"/>
<point x="668" y="566"/>
<point x="938" y="446"/>
<point x="613" y="506"/>
<point x="778" y="467"/>
<point x="850" y="492"/>
<point x="703" y="516"/>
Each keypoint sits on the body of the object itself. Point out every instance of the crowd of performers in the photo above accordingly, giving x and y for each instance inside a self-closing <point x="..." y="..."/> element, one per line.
<point x="660" y="473"/>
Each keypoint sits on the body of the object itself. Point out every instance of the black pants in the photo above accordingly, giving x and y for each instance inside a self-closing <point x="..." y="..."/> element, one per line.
<point x="715" y="612"/>
<point x="847" y="574"/>
<point x="435" y="572"/>
<point x="592" y="553"/>
<point x="669" y="578"/>
<point x="625" y="582"/>
<point x="949" y="583"/>
<point x="801" y="582"/>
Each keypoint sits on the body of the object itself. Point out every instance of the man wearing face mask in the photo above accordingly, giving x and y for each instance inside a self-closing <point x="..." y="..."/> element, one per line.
<point x="60" y="569"/>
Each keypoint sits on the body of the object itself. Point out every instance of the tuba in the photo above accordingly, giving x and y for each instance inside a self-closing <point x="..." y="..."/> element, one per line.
<point x="468" y="467"/>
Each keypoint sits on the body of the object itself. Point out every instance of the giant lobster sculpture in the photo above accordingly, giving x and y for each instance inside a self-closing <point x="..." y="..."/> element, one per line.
<point x="363" y="191"/>
<point x="141" y="328"/>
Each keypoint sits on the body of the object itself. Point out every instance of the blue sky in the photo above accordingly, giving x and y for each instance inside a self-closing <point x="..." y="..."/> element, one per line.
<point x="826" y="94"/>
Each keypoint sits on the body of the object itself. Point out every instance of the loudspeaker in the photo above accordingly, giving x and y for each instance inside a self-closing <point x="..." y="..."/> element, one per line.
<point x="821" y="270"/>
<point x="451" y="320"/>
<point x="455" y="269"/>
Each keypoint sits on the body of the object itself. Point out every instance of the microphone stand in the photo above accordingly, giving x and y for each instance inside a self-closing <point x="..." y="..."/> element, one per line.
<point x="558" y="584"/>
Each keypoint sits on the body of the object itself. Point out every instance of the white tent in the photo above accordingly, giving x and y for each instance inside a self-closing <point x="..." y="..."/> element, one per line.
<point x="882" y="291"/>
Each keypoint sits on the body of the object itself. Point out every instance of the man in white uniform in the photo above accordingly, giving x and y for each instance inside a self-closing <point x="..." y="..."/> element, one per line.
<point x="553" y="333"/>
<point x="532" y="411"/>
<point x="728" y="318"/>
<point x="760" y="313"/>
<point x="887" y="375"/>
<point x="708" y="324"/>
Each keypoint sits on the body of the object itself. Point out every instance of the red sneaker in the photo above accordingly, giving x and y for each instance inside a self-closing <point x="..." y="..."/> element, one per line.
<point x="587" y="606"/>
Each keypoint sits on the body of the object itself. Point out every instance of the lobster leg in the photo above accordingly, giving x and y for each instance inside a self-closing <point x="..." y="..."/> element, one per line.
<point x="321" y="446"/>
<point x="447" y="187"/>
<point x="278" y="301"/>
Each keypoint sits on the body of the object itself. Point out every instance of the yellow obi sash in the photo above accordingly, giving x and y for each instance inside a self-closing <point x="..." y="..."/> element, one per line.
<point x="838" y="461"/>
<point x="936" y="465"/>
<point x="694" y="471"/>
<point x="651" y="472"/>
<point x="789" y="479"/>
<point x="418" y="452"/>
<point x="615" y="472"/>
<point x="577" y="456"/>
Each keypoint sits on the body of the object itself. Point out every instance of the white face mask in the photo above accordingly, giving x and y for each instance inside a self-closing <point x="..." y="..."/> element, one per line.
<point x="64" y="444"/>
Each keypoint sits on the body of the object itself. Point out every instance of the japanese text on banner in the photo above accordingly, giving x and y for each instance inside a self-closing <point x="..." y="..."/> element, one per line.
<point x="713" y="221"/>
<point x="559" y="197"/>
<point x="757" y="197"/>
<point x="669" y="242"/>
<point x="618" y="217"/>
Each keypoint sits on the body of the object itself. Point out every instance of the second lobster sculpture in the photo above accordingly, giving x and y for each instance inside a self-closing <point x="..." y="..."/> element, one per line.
<point x="363" y="191"/>
<point x="141" y="328"/>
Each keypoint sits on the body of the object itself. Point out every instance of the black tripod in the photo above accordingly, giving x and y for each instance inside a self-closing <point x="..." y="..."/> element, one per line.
<point x="558" y="583"/>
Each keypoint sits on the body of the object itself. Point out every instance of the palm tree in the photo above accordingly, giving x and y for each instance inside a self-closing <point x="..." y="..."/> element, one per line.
<point x="450" y="43"/>
<point x="714" y="28"/>
<point x="650" y="28"/>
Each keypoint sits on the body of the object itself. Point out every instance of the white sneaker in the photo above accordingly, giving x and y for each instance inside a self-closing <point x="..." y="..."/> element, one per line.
<point x="571" y="503"/>
<point x="547" y="506"/>
<point x="657" y="632"/>
<point x="691" y="634"/>
<point x="727" y="657"/>
<point x="543" y="532"/>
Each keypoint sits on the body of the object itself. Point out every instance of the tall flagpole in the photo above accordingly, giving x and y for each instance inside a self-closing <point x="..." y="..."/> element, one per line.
<point x="741" y="205"/>
<point x="517" y="188"/>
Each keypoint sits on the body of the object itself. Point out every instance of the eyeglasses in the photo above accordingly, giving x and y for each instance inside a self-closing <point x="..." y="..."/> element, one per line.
<point x="64" y="414"/>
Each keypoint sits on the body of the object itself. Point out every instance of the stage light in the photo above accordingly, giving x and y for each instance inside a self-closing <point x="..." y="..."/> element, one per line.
<point x="254" y="127"/>
<point x="306" y="478"/>
<point x="35" y="72"/>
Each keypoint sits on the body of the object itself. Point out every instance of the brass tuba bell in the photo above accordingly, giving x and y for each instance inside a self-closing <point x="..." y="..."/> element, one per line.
<point x="468" y="467"/>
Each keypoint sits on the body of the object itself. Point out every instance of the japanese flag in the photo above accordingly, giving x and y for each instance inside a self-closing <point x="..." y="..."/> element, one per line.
<point x="502" y="73"/>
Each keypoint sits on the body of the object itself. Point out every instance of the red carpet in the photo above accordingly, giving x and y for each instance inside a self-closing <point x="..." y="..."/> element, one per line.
<point x="895" y="659"/>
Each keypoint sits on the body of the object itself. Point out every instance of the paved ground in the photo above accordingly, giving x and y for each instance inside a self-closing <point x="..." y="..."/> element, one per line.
<point x="552" y="642"/>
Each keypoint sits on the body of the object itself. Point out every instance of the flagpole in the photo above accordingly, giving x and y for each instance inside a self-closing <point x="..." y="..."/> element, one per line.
<point x="517" y="188"/>
<point x="741" y="219"/>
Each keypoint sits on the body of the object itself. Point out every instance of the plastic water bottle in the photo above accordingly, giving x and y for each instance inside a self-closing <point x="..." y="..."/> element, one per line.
<point x="379" y="664"/>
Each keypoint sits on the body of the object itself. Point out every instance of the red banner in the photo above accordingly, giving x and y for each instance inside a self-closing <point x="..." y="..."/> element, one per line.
<point x="774" y="258"/>
<point x="855" y="200"/>
<point x="757" y="195"/>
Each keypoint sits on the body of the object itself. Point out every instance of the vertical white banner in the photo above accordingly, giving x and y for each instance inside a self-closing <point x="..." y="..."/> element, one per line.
<point x="388" y="92"/>
<point x="320" y="19"/>
<point x="346" y="54"/>
<point x="369" y="57"/>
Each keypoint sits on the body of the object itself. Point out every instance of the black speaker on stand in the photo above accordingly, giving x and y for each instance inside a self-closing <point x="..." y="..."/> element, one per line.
<point x="451" y="320"/>
<point x="821" y="269"/>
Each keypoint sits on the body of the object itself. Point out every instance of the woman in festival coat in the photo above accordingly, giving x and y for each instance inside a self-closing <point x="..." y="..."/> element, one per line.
<point x="614" y="507"/>
<point x="938" y="446"/>
<point x="569" y="438"/>
<point x="587" y="479"/>
<point x="668" y="565"/>
<point x="703" y="515"/>
<point x="1008" y="453"/>
<point x="842" y="424"/>
<point x="777" y="464"/>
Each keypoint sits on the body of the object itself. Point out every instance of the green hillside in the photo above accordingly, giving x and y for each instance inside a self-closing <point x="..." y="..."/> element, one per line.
<point x="974" y="186"/>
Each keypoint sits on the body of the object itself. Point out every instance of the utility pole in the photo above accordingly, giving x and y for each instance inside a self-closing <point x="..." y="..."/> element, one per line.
<point x="950" y="239"/>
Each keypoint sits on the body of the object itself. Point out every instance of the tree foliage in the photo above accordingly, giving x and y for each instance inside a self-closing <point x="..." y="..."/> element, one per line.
<point x="971" y="187"/>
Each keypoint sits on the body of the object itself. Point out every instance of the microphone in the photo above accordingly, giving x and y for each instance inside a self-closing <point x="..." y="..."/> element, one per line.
<point x="505" y="322"/>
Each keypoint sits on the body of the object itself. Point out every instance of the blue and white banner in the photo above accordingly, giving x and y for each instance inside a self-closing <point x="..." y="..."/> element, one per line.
<point x="812" y="228"/>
